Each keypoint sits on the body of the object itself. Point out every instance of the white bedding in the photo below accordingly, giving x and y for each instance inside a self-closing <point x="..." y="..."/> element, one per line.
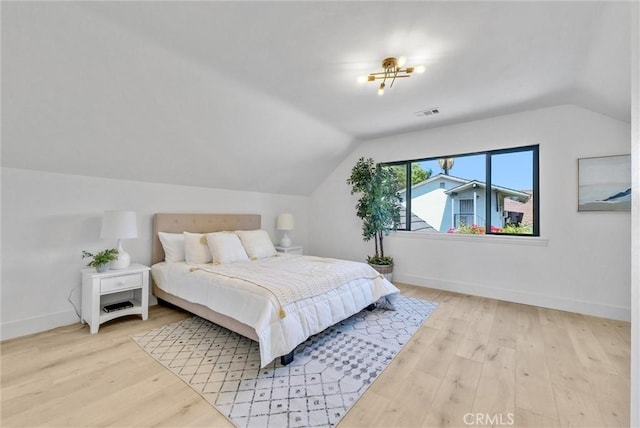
<point x="236" y="295"/>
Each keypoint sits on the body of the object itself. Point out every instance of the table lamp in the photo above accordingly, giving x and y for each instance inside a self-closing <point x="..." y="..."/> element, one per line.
<point x="119" y="225"/>
<point x="285" y="222"/>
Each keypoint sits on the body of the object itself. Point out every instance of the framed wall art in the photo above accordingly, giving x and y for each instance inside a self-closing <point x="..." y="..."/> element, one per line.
<point x="604" y="183"/>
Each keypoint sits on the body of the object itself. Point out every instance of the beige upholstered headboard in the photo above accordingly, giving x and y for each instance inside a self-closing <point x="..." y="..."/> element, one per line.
<point x="198" y="223"/>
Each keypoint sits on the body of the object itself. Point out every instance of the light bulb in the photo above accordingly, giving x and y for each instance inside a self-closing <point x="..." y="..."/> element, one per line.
<point x="402" y="61"/>
<point x="381" y="89"/>
<point x="362" y="79"/>
<point x="419" y="69"/>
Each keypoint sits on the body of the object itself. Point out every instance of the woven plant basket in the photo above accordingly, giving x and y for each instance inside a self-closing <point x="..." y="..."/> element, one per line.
<point x="386" y="270"/>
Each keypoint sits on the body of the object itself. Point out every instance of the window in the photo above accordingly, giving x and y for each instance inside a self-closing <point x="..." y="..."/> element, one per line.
<point x="493" y="192"/>
<point x="466" y="216"/>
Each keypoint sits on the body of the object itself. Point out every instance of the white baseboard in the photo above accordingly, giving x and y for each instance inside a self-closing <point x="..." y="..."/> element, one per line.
<point x="12" y="329"/>
<point x="23" y="327"/>
<point x="543" y="300"/>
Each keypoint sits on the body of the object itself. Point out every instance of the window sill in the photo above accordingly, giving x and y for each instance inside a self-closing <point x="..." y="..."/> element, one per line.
<point x="493" y="239"/>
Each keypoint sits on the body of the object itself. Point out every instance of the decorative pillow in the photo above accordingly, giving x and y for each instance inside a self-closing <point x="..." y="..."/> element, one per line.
<point x="256" y="243"/>
<point x="173" y="246"/>
<point x="196" y="249"/>
<point x="226" y="247"/>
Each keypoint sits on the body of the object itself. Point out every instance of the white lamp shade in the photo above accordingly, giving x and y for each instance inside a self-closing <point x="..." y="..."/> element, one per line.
<point x="285" y="222"/>
<point x="119" y="225"/>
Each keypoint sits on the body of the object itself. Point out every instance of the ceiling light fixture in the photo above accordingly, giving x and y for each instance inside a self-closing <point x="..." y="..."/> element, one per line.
<point x="392" y="70"/>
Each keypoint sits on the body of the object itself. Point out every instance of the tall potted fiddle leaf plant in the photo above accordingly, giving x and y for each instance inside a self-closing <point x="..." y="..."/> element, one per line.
<point x="378" y="207"/>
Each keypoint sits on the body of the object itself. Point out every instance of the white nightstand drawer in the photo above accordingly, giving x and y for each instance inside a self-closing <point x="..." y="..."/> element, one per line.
<point x="120" y="282"/>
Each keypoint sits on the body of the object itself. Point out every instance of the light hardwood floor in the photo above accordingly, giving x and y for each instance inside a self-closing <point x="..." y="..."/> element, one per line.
<point x="475" y="362"/>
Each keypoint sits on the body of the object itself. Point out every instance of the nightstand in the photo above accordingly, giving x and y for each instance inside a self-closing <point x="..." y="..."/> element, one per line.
<point x="113" y="286"/>
<point x="294" y="249"/>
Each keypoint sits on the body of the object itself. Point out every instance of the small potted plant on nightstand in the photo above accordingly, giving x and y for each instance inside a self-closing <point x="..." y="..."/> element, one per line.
<point x="101" y="259"/>
<point x="378" y="207"/>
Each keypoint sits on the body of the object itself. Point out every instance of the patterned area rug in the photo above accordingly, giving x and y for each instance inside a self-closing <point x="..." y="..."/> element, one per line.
<point x="331" y="370"/>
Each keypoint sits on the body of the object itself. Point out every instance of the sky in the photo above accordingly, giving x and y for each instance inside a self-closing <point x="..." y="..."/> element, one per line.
<point x="511" y="170"/>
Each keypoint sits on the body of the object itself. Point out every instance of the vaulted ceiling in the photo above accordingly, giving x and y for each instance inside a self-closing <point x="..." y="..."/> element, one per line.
<point x="262" y="96"/>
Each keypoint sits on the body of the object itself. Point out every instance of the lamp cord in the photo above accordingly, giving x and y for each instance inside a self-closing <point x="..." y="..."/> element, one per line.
<point x="77" y="313"/>
<point x="73" y="304"/>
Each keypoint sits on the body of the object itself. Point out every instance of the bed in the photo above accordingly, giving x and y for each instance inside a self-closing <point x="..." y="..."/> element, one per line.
<point x="245" y="297"/>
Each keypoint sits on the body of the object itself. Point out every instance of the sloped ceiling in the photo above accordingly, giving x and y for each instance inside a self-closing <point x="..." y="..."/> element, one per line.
<point x="262" y="96"/>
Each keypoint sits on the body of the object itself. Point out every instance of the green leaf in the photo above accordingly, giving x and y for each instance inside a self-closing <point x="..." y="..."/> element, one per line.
<point x="379" y="204"/>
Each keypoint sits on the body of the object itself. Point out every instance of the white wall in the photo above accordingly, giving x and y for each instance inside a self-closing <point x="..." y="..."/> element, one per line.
<point x="49" y="218"/>
<point x="635" y="223"/>
<point x="581" y="263"/>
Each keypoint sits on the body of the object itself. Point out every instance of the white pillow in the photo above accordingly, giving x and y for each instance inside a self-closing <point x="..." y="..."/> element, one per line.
<point x="173" y="246"/>
<point x="256" y="243"/>
<point x="196" y="249"/>
<point x="226" y="247"/>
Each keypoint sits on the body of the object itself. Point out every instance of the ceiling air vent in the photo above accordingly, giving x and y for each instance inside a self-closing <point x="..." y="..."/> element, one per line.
<point x="428" y="112"/>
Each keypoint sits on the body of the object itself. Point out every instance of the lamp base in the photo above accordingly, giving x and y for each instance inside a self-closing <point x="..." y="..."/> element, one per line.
<point x="123" y="261"/>
<point x="285" y="241"/>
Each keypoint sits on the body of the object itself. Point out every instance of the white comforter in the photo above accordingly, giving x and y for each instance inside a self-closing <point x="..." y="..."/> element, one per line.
<point x="280" y="324"/>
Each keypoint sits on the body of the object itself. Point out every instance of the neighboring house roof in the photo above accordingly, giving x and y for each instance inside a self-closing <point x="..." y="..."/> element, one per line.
<point x="509" y="193"/>
<point x="525" y="208"/>
<point x="417" y="224"/>
<point x="436" y="178"/>
<point x="465" y="184"/>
